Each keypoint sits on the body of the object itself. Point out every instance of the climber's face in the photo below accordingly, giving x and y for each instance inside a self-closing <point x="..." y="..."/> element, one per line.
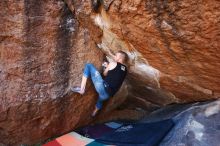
<point x="117" y="57"/>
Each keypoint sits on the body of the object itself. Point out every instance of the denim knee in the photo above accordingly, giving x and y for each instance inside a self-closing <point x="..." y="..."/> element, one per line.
<point x="88" y="64"/>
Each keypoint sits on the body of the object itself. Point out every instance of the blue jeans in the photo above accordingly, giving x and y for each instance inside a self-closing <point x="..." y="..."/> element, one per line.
<point x="91" y="72"/>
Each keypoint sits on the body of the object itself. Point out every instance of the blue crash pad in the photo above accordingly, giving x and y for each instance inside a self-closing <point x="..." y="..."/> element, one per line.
<point x="138" y="134"/>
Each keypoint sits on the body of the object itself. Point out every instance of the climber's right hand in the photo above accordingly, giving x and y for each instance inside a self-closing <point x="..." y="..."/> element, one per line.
<point x="105" y="64"/>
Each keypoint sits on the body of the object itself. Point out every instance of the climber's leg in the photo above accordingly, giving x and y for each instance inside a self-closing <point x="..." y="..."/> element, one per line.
<point x="80" y="89"/>
<point x="98" y="106"/>
<point x="99" y="86"/>
<point x="83" y="84"/>
<point x="88" y="69"/>
<point x="99" y="103"/>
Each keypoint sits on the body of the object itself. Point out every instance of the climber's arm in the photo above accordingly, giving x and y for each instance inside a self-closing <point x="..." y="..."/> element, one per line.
<point x="106" y="70"/>
<point x="111" y="54"/>
<point x="109" y="67"/>
<point x="106" y="51"/>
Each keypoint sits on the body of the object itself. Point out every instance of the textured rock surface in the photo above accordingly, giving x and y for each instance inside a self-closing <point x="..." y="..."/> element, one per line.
<point x="44" y="46"/>
<point x="177" y="42"/>
<point x="198" y="126"/>
<point x="43" y="51"/>
<point x="173" y="48"/>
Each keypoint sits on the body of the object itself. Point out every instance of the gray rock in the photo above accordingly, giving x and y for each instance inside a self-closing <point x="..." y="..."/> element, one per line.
<point x="196" y="126"/>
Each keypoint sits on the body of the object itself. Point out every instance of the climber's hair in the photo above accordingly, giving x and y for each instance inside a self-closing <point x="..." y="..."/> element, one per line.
<point x="124" y="56"/>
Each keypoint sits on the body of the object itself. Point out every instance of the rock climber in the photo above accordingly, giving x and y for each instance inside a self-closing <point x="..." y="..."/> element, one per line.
<point x="113" y="76"/>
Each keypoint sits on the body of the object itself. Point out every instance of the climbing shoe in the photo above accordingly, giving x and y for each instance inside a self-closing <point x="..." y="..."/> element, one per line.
<point x="76" y="89"/>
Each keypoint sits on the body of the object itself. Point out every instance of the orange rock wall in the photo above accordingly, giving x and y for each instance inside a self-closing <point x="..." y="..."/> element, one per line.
<point x="180" y="39"/>
<point x="173" y="48"/>
<point x="42" y="53"/>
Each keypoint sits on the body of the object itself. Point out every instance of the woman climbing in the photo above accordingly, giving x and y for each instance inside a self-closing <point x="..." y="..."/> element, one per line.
<point x="114" y="75"/>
